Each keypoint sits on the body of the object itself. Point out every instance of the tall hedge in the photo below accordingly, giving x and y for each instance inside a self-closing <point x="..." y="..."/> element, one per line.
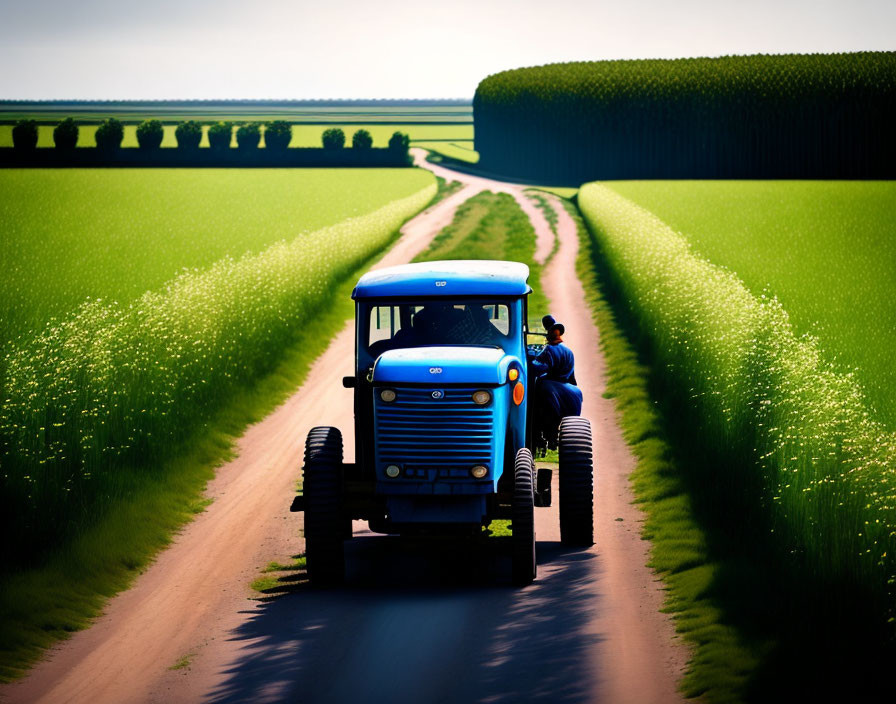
<point x="814" y="115"/>
<point x="65" y="134"/>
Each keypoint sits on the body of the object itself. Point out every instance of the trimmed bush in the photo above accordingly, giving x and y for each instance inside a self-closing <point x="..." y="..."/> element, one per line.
<point x="24" y="135"/>
<point x="277" y="135"/>
<point x="188" y="135"/>
<point x="362" y="140"/>
<point x="399" y="142"/>
<point x="109" y="134"/>
<point x="248" y="136"/>
<point x="220" y="134"/>
<point x="150" y="134"/>
<point x="65" y="134"/>
<point x="333" y="138"/>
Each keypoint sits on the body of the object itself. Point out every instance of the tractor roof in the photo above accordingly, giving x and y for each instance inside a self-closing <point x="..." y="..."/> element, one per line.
<point x="473" y="277"/>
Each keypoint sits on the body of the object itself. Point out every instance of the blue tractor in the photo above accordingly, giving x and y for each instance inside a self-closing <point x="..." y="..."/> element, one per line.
<point x="444" y="423"/>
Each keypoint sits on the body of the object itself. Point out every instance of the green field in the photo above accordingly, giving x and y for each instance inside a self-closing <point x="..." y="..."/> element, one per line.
<point x="825" y="249"/>
<point x="115" y="413"/>
<point x="168" y="291"/>
<point x="304" y="135"/>
<point x="70" y="235"/>
<point x="773" y="507"/>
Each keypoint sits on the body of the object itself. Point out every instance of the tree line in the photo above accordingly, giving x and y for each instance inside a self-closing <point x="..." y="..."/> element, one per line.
<point x="150" y="133"/>
<point x="785" y="116"/>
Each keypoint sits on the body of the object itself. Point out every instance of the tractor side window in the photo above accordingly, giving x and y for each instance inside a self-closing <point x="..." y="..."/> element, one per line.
<point x="385" y="321"/>
<point x="499" y="317"/>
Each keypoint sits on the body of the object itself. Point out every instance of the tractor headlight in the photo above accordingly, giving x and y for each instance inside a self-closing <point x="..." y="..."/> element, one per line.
<point x="479" y="471"/>
<point x="393" y="470"/>
<point x="388" y="395"/>
<point x="481" y="397"/>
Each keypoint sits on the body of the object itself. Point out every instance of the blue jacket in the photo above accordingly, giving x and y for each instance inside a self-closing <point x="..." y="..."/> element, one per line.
<point x="557" y="363"/>
<point x="556" y="388"/>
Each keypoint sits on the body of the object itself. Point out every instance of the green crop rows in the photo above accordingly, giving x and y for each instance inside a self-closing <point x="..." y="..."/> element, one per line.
<point x="825" y="249"/>
<point x="70" y="235"/>
<point x="144" y="299"/>
<point x="783" y="447"/>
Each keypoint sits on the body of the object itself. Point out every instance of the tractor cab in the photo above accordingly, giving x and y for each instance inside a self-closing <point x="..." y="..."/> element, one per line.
<point x="442" y="423"/>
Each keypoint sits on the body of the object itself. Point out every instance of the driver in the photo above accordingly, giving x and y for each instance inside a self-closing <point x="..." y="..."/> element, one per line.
<point x="556" y="392"/>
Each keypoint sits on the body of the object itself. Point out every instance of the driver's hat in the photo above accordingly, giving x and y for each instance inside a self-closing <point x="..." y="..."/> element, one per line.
<point x="550" y="323"/>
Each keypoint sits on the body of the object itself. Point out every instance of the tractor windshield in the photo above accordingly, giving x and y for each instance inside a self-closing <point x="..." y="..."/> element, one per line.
<point x="392" y="326"/>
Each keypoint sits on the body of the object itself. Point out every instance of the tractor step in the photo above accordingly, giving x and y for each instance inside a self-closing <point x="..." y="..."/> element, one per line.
<point x="298" y="504"/>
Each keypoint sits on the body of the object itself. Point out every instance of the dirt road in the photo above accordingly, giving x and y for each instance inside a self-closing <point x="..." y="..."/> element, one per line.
<point x="414" y="623"/>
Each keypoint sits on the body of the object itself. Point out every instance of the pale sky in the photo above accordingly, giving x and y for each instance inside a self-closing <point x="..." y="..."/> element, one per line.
<point x="127" y="49"/>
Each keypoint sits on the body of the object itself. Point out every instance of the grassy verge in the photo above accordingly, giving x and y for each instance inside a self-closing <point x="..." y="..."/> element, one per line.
<point x="561" y="191"/>
<point x="777" y="599"/>
<point x="720" y="661"/>
<point x="446" y="188"/>
<point x="277" y="579"/>
<point x="67" y="588"/>
<point x="458" y="151"/>
<point x="492" y="226"/>
<point x="819" y="247"/>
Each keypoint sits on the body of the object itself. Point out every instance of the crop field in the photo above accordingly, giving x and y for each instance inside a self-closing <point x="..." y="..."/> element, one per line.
<point x="825" y="249"/>
<point x="787" y="444"/>
<point x="724" y="117"/>
<point x="304" y="135"/>
<point x="135" y="302"/>
<point x="74" y="235"/>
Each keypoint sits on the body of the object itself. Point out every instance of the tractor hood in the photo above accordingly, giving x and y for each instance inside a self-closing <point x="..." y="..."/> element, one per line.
<point x="443" y="365"/>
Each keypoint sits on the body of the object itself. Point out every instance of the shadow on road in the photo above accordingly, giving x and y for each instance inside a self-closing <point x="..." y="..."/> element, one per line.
<point x="423" y="622"/>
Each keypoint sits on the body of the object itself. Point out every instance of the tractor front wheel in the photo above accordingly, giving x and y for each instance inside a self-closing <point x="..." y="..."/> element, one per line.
<point x="523" y="520"/>
<point x="576" y="482"/>
<point x="324" y="519"/>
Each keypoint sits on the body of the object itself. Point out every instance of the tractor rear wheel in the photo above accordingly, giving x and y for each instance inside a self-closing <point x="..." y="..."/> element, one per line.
<point x="576" y="482"/>
<point x="523" y="520"/>
<point x="324" y="519"/>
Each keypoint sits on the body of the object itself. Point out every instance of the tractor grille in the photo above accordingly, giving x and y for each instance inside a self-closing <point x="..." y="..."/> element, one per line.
<point x="419" y="431"/>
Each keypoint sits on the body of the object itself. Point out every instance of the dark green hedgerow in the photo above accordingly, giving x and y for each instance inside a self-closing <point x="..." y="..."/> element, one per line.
<point x="784" y="116"/>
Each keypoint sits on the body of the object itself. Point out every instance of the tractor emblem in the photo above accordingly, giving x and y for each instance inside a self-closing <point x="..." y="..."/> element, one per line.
<point x="435" y="370"/>
<point x="437" y="394"/>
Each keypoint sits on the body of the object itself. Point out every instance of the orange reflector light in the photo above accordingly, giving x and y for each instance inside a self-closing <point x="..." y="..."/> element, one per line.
<point x="518" y="392"/>
<point x="513" y="374"/>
